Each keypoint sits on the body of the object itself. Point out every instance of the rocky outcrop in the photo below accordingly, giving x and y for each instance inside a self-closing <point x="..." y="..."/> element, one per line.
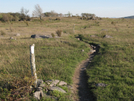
<point x="44" y="88"/>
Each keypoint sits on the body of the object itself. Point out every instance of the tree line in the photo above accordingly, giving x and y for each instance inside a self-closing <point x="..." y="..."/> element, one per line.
<point x="38" y="12"/>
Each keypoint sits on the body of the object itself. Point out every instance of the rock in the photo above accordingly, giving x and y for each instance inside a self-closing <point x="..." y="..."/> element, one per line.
<point x="42" y="85"/>
<point x="38" y="95"/>
<point x="11" y="38"/>
<point x="40" y="36"/>
<point x="101" y="85"/>
<point x="39" y="89"/>
<point x="62" y="83"/>
<point x="17" y="34"/>
<point x="52" y="82"/>
<point x="39" y="82"/>
<point x="92" y="51"/>
<point x="82" y="50"/>
<point x="78" y="38"/>
<point x="70" y="87"/>
<point x="108" y="36"/>
<point x="57" y="89"/>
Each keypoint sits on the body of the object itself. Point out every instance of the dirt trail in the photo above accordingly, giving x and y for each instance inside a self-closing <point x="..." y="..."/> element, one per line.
<point x="81" y="91"/>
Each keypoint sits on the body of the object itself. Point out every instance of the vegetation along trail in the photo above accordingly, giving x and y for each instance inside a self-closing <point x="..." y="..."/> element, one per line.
<point x="80" y="86"/>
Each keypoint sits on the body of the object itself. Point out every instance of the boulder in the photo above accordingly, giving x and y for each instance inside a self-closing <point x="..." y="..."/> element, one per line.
<point x="38" y="95"/>
<point x="40" y="36"/>
<point x="57" y="89"/>
<point x="52" y="82"/>
<point x="62" y="83"/>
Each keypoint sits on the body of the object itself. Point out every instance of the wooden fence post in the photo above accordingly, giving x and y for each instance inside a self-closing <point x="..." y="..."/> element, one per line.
<point x="32" y="61"/>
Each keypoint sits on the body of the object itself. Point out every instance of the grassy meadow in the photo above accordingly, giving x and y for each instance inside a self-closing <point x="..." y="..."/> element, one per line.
<point x="57" y="58"/>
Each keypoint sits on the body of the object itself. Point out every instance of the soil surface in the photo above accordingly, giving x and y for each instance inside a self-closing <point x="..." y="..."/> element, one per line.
<point x="81" y="92"/>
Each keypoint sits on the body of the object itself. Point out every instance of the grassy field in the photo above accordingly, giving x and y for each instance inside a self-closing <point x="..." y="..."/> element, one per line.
<point x="58" y="60"/>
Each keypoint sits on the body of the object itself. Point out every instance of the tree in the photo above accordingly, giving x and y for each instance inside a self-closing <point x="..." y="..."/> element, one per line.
<point x="23" y="14"/>
<point x="38" y="11"/>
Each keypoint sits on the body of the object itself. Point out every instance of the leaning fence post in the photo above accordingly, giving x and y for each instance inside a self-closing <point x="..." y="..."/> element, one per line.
<point x="32" y="61"/>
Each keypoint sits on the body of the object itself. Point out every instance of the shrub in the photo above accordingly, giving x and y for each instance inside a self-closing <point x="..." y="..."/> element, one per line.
<point x="3" y="33"/>
<point x="53" y="35"/>
<point x="58" y="32"/>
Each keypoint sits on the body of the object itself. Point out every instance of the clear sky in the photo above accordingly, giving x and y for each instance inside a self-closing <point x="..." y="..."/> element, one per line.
<point x="101" y="8"/>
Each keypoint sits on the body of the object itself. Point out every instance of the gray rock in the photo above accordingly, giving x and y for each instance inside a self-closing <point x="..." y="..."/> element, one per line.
<point x="42" y="85"/>
<point x="101" y="85"/>
<point x="92" y="51"/>
<point x="78" y="38"/>
<point x="11" y="38"/>
<point x="38" y="94"/>
<point x="57" y="89"/>
<point x="70" y="87"/>
<point x="108" y="36"/>
<point x="52" y="82"/>
<point x="40" y="36"/>
<point x="39" y="82"/>
<point x="39" y="89"/>
<point x="17" y="34"/>
<point x="62" y="83"/>
<point x="82" y="50"/>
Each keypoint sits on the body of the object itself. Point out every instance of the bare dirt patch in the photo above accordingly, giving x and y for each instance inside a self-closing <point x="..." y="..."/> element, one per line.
<point x="81" y="91"/>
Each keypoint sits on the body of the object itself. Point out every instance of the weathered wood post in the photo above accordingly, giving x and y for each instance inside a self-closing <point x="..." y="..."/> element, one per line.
<point x="32" y="61"/>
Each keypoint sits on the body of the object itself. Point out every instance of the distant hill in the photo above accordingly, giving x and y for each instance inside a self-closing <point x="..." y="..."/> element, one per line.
<point x="129" y="17"/>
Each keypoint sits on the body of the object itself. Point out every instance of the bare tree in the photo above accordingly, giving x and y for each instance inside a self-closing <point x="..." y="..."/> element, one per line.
<point x="38" y="11"/>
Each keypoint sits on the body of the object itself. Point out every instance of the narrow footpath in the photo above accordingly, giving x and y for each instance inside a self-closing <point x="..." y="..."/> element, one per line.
<point x="81" y="92"/>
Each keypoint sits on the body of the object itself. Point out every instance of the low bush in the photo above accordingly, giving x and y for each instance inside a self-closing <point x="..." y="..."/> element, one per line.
<point x="59" y="32"/>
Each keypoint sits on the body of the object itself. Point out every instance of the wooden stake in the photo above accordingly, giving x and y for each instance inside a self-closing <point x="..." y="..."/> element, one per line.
<point x="32" y="61"/>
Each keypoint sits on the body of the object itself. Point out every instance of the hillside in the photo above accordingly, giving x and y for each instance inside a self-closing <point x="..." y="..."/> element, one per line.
<point x="129" y="17"/>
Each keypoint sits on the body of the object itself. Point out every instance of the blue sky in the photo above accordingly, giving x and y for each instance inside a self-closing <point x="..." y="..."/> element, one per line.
<point x="101" y="8"/>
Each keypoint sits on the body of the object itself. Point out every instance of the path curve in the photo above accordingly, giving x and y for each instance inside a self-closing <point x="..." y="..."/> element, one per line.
<point x="80" y="91"/>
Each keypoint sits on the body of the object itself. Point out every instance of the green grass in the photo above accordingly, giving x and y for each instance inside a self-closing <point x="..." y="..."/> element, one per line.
<point x="114" y="66"/>
<point x="54" y="59"/>
<point x="58" y="60"/>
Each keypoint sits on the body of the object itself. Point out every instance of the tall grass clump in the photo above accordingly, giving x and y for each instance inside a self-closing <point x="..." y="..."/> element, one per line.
<point x="59" y="32"/>
<point x="3" y="33"/>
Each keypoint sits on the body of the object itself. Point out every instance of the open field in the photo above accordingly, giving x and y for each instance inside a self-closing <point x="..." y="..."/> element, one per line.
<point x="57" y="60"/>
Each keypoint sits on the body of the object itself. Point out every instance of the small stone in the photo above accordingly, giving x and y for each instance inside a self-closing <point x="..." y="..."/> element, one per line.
<point x="70" y="87"/>
<point x="82" y="50"/>
<point x="78" y="38"/>
<point x="101" y="85"/>
<point x="17" y="34"/>
<point x="38" y="95"/>
<point x="92" y="51"/>
<point x="108" y="36"/>
<point x="62" y="83"/>
<point x="57" y="89"/>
